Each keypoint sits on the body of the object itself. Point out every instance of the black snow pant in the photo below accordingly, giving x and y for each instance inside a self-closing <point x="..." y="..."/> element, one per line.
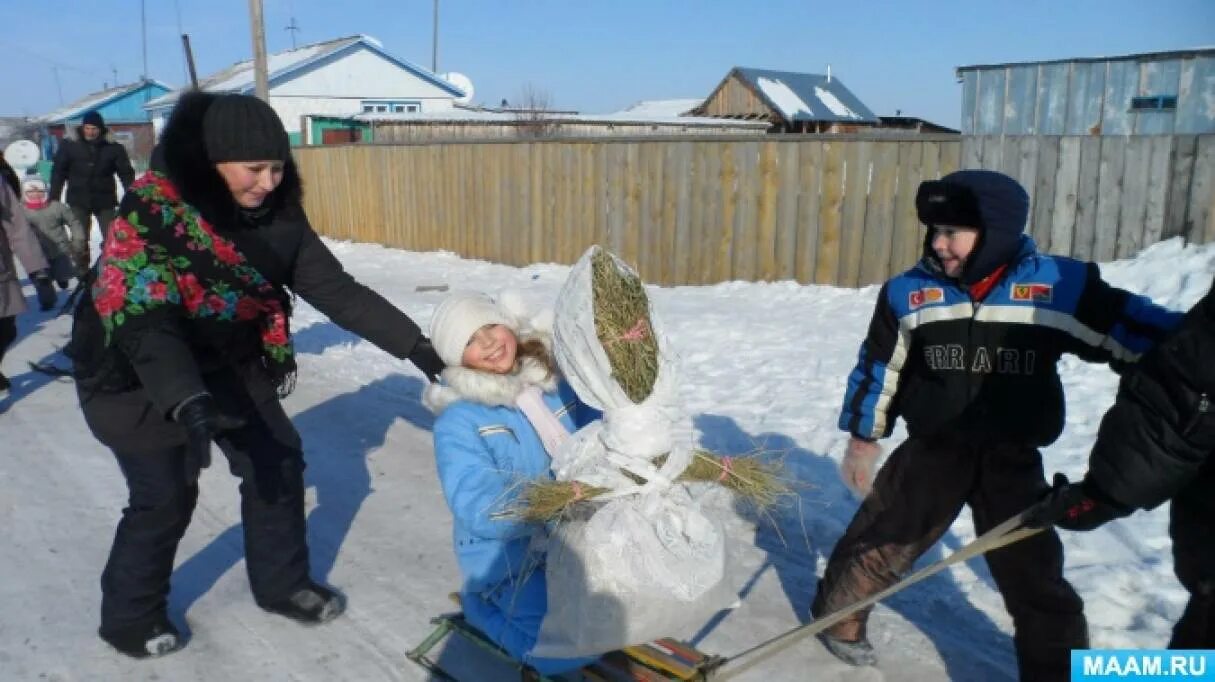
<point x="1192" y="527"/>
<point x="8" y="333"/>
<point x="916" y="496"/>
<point x="265" y="454"/>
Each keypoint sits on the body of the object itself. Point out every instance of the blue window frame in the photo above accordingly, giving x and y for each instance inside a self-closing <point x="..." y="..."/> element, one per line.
<point x="391" y="106"/>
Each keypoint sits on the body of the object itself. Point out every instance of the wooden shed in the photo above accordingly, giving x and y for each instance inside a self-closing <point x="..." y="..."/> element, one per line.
<point x="788" y="101"/>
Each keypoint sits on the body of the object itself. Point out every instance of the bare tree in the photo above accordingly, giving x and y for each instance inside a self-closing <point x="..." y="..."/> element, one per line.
<point x="534" y="113"/>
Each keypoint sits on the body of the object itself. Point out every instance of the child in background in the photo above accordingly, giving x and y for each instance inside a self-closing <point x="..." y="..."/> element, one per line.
<point x="964" y="346"/>
<point x="51" y="221"/>
<point x="502" y="410"/>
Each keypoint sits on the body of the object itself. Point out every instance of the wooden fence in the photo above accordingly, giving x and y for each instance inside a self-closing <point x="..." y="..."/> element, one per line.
<point x="1106" y="197"/>
<point x="821" y="209"/>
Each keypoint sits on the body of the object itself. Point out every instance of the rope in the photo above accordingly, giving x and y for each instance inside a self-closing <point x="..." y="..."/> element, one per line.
<point x="1004" y="534"/>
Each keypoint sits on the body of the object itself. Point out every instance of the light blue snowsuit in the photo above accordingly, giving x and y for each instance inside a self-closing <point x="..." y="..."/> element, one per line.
<point x="484" y="453"/>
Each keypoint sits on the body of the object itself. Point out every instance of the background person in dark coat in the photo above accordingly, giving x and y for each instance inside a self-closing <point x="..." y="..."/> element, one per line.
<point x="1157" y="443"/>
<point x="88" y="166"/>
<point x="184" y="339"/>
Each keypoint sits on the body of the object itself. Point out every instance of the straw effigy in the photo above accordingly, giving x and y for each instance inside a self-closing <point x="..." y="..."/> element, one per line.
<point x="755" y="481"/>
<point x="624" y="329"/>
<point x="622" y="324"/>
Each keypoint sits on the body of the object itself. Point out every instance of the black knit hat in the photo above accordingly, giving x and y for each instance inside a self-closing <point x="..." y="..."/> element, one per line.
<point x="93" y="118"/>
<point x="244" y="128"/>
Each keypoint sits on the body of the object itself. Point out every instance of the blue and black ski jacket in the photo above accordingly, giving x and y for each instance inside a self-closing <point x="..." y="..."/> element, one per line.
<point x="946" y="363"/>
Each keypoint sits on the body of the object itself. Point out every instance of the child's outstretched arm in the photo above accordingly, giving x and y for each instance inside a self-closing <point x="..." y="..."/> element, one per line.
<point x="1118" y="326"/>
<point x="474" y="485"/>
<point x="867" y="412"/>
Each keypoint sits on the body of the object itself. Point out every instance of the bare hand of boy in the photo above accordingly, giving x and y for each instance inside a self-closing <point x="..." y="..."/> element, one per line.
<point x="860" y="461"/>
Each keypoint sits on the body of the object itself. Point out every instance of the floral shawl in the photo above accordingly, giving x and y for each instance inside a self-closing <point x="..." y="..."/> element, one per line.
<point x="162" y="258"/>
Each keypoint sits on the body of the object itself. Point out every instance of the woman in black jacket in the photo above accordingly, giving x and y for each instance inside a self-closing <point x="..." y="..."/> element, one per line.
<point x="184" y="340"/>
<point x="1157" y="444"/>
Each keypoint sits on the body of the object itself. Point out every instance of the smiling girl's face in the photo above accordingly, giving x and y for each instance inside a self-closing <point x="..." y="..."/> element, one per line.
<point x="491" y="348"/>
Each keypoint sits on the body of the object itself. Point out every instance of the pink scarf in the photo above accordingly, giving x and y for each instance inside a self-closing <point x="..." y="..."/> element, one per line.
<point x="36" y="205"/>
<point x="550" y="429"/>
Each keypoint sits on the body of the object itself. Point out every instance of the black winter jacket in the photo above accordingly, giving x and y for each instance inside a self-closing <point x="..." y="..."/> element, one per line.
<point x="171" y="361"/>
<point x="1161" y="428"/>
<point x="88" y="168"/>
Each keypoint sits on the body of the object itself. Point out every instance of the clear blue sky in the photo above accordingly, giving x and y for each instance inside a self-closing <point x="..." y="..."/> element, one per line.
<point x="600" y="55"/>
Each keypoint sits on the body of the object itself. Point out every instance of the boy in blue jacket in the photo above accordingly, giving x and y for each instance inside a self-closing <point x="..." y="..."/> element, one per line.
<point x="502" y="410"/>
<point x="964" y="347"/>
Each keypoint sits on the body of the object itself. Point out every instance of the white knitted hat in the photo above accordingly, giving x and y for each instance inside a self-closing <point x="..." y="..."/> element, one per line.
<point x="34" y="182"/>
<point x="457" y="318"/>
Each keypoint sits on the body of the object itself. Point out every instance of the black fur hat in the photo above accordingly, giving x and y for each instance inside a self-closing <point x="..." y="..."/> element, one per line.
<point x="994" y="203"/>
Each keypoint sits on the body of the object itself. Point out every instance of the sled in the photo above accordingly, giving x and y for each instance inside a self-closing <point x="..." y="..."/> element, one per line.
<point x="662" y="660"/>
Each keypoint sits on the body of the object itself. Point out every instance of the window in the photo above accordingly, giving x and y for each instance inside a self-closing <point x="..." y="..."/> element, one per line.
<point x="394" y="106"/>
<point x="1154" y="103"/>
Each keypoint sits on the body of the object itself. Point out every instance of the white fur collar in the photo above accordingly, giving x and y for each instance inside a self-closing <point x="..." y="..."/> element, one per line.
<point x="462" y="383"/>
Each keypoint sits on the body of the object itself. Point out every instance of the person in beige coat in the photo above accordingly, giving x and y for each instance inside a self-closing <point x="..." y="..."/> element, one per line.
<point x="19" y="241"/>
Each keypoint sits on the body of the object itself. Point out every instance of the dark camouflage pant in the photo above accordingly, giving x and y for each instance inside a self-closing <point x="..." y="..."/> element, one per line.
<point x="917" y="495"/>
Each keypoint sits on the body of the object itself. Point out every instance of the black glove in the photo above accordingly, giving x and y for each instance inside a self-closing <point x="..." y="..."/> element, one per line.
<point x="1074" y="506"/>
<point x="47" y="298"/>
<point x="426" y="359"/>
<point x="202" y="421"/>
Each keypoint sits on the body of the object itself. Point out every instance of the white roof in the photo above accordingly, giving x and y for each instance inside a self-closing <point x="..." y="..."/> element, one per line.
<point x="663" y="107"/>
<point x="240" y="77"/>
<point x="460" y="115"/>
<point x="93" y="100"/>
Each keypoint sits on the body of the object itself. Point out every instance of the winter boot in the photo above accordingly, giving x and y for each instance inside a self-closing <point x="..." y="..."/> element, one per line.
<point x="5" y="384"/>
<point x="856" y="653"/>
<point x="311" y="605"/>
<point x="150" y="639"/>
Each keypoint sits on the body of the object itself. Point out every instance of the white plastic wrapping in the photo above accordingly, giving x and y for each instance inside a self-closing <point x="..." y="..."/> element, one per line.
<point x="644" y="562"/>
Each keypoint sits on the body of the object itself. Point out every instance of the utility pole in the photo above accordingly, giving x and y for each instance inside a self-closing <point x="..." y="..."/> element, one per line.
<point x="434" y="54"/>
<point x="185" y="43"/>
<point x="260" y="77"/>
<point x="58" y="84"/>
<point x="143" y="23"/>
<point x="293" y="28"/>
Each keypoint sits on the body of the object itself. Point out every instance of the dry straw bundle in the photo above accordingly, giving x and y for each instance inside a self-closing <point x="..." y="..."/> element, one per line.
<point x="622" y="324"/>
<point x="755" y="481"/>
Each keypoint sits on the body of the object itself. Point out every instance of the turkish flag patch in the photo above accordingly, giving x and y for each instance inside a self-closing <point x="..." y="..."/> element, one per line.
<point x="921" y="297"/>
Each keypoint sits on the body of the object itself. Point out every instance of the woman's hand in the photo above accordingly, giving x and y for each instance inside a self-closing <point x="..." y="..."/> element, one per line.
<point x="424" y="357"/>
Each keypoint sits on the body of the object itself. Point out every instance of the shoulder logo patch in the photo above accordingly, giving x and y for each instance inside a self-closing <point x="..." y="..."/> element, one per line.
<point x="1033" y="293"/>
<point x="925" y="296"/>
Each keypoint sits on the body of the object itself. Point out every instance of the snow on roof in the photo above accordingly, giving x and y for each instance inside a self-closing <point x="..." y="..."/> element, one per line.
<point x="94" y="100"/>
<point x="807" y="96"/>
<point x="240" y="77"/>
<point x="662" y="107"/>
<point x="460" y="115"/>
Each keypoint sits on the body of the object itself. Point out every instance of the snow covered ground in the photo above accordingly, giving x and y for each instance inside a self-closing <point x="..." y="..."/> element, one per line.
<point x="764" y="367"/>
